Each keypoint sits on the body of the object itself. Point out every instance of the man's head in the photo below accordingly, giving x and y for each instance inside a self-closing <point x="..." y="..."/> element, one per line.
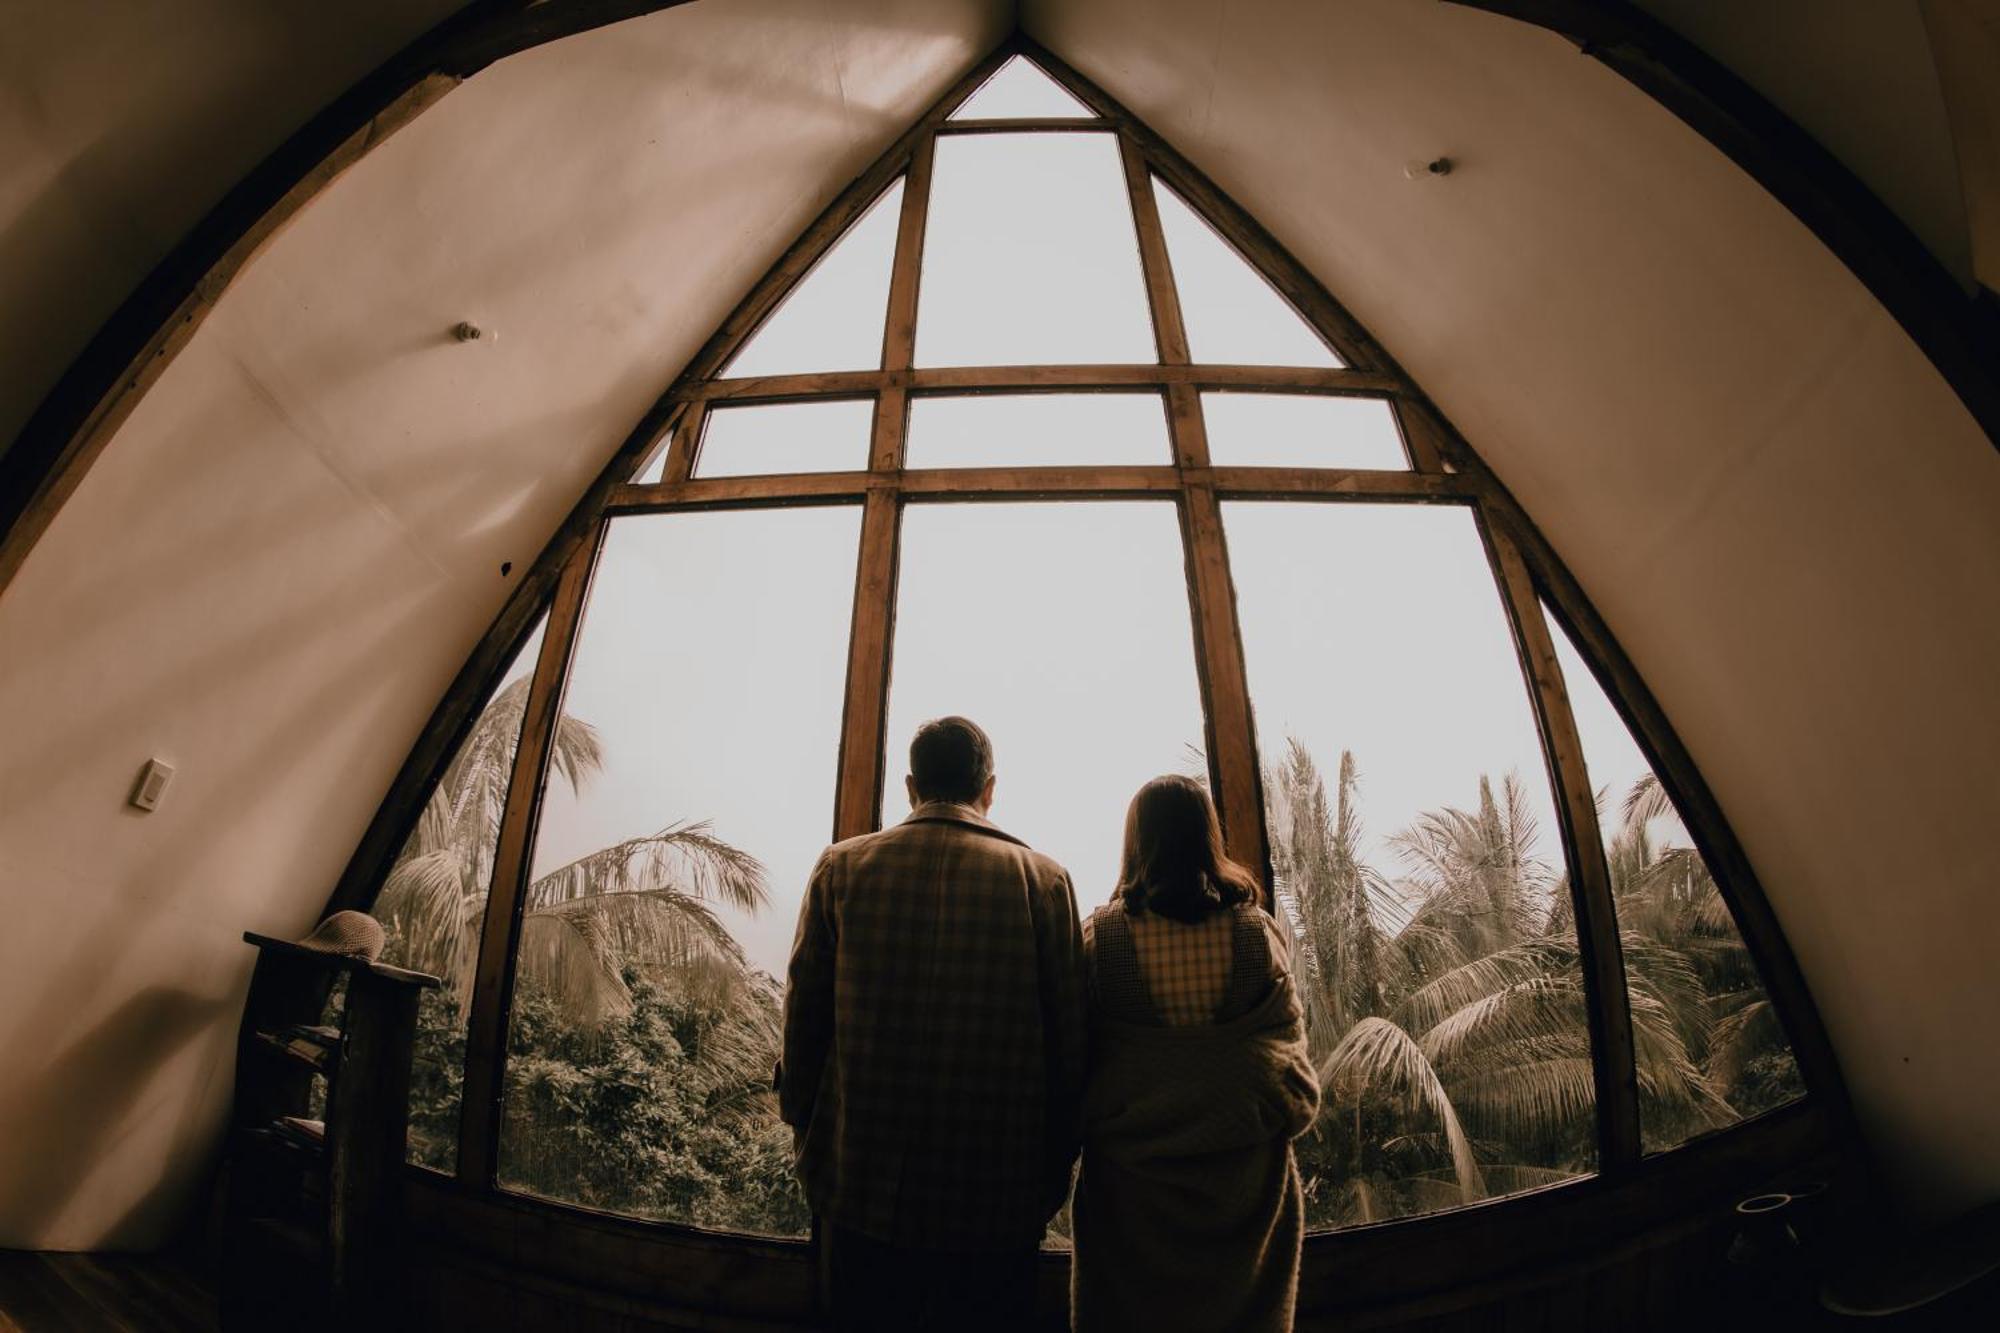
<point x="951" y="760"/>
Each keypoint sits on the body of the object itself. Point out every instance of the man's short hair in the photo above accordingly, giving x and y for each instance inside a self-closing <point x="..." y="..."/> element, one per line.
<point x="950" y="760"/>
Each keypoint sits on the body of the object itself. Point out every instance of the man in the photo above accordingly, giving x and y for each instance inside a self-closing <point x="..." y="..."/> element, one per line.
<point x="934" y="1053"/>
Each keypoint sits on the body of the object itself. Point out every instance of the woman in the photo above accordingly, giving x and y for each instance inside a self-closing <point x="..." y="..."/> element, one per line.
<point x="1188" y="1211"/>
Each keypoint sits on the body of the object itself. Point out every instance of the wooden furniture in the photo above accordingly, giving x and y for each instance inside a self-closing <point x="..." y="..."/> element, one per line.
<point x="312" y="1219"/>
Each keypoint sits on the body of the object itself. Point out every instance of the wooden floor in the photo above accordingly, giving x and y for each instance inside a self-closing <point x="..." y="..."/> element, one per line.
<point x="101" y="1293"/>
<point x="116" y="1293"/>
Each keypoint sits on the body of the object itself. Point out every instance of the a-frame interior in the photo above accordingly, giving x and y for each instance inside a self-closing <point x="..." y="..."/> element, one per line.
<point x="657" y="471"/>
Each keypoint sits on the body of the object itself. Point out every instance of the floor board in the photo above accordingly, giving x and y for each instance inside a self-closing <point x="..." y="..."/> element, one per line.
<point x="101" y="1293"/>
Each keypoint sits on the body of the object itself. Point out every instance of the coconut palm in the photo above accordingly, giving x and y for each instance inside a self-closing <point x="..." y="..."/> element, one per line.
<point x="646" y="903"/>
<point x="1335" y="901"/>
<point x="1687" y="966"/>
<point x="1454" y="1053"/>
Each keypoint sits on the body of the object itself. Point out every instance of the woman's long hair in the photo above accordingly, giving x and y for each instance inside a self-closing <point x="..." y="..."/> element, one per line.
<point x="1174" y="863"/>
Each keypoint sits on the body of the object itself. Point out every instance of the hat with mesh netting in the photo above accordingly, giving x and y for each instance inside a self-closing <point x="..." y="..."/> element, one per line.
<point x="350" y="934"/>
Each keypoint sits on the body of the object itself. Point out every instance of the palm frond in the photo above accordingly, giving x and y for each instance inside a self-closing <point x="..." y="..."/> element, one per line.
<point x="1647" y="801"/>
<point x="1378" y="1062"/>
<point x="567" y="955"/>
<point x="431" y="905"/>
<point x="1526" y="1098"/>
<point x="688" y="858"/>
<point x="1431" y="1004"/>
<point x="1538" y="1009"/>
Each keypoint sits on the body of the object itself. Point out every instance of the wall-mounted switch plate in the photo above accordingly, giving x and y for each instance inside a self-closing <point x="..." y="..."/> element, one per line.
<point x="152" y="784"/>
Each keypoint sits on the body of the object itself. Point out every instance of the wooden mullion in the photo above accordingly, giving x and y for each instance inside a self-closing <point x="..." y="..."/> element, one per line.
<point x="864" y="717"/>
<point x="493" y="983"/>
<point x="1027" y="125"/>
<point x="899" y="326"/>
<point x="741" y="492"/>
<point x="1228" y="722"/>
<point x="1305" y="483"/>
<point x="1229" y="730"/>
<point x="1051" y="378"/>
<point x="1054" y="482"/>
<point x="1599" y="953"/>
<point x="686" y="442"/>
<point x="1162" y="297"/>
<point x="971" y="483"/>
<point x="1420" y="436"/>
<point x="858" y="798"/>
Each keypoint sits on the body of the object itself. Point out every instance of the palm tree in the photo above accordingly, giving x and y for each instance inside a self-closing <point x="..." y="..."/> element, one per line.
<point x="646" y="903"/>
<point x="1693" y="983"/>
<point x="1335" y="901"/>
<point x="1454" y="1053"/>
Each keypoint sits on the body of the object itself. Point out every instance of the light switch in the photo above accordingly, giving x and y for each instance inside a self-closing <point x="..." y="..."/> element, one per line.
<point x="152" y="784"/>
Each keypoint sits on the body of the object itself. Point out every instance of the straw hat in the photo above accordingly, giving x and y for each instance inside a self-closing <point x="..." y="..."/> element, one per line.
<point x="350" y="934"/>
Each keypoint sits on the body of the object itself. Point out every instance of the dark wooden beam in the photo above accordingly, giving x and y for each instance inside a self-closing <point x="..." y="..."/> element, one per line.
<point x="1600" y="956"/>
<point x="506" y="895"/>
<point x="1229" y="727"/>
<point x="1051" y="379"/>
<point x="1025" y="125"/>
<point x="1940" y="316"/>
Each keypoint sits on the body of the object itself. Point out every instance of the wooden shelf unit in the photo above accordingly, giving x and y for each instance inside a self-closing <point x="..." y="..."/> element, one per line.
<point x="311" y="1232"/>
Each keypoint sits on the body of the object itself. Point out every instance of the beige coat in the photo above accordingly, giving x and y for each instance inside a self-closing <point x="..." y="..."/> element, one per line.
<point x="1188" y="1210"/>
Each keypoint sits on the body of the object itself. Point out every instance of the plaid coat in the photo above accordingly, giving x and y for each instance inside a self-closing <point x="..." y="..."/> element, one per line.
<point x="935" y="1035"/>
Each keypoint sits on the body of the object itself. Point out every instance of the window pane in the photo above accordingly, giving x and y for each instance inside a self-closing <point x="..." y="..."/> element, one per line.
<point x="692" y="794"/>
<point x="1710" y="1047"/>
<point x="833" y="319"/>
<point x="1038" y="430"/>
<point x="1019" y="89"/>
<point x="433" y="905"/>
<point x="1233" y="316"/>
<point x="1418" y="859"/>
<point x="1063" y="630"/>
<point x="765" y="438"/>
<point x="1029" y="255"/>
<point x="1301" y="430"/>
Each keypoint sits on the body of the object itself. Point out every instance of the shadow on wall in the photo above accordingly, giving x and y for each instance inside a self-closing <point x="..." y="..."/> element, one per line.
<point x="73" y="1110"/>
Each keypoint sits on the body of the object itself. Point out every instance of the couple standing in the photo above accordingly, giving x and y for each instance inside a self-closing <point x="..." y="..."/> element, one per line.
<point x="954" y="1036"/>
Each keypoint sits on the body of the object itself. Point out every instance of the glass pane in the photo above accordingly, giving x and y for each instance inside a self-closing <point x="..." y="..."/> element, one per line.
<point x="833" y="319"/>
<point x="830" y="435"/>
<point x="1030" y="256"/>
<point x="1233" y="316"/>
<point x="1019" y="90"/>
<point x="1063" y="630"/>
<point x="1039" y="430"/>
<point x="704" y="714"/>
<point x="1710" y="1047"/>
<point x="1301" y="430"/>
<point x="1418" y="859"/>
<point x="433" y="905"/>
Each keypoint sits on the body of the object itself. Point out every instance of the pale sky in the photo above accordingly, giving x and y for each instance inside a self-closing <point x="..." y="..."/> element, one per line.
<point x="713" y="653"/>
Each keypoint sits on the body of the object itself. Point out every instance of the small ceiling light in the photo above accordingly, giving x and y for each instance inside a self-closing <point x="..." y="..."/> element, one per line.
<point x="1418" y="169"/>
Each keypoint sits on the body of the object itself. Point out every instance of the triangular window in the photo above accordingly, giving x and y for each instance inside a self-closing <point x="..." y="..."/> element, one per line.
<point x="1019" y="90"/>
<point x="833" y="319"/>
<point x="1233" y="316"/>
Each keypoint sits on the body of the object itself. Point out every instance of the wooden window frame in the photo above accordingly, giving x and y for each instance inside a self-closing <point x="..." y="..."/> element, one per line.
<point x="1444" y="470"/>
